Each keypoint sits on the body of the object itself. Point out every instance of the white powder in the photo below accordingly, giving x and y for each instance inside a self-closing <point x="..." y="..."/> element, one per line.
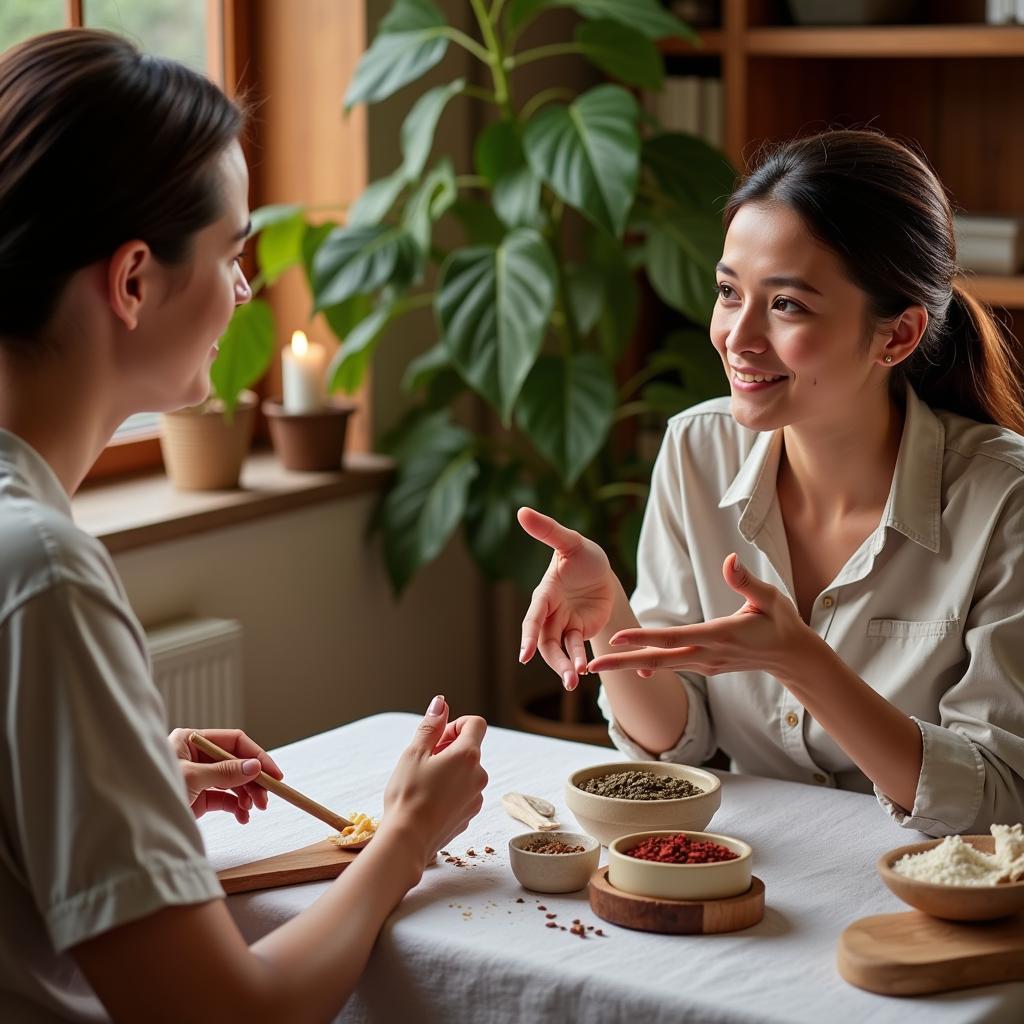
<point x="954" y="862"/>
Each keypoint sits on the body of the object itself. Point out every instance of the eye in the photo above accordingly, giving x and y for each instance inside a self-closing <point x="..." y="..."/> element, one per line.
<point x="781" y="301"/>
<point x="238" y="257"/>
<point x="725" y="291"/>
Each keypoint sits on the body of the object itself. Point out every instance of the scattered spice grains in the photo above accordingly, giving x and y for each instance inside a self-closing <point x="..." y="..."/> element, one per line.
<point x="680" y="849"/>
<point x="541" y="845"/>
<point x="639" y="785"/>
<point x="488" y="849"/>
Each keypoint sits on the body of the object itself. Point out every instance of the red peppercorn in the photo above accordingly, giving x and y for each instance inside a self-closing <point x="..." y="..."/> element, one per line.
<point x="680" y="849"/>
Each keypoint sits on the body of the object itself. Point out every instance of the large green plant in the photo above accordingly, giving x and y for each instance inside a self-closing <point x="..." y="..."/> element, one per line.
<point x="572" y="195"/>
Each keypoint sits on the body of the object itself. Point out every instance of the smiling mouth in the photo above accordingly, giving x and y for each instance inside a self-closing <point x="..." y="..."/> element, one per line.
<point x="757" y="378"/>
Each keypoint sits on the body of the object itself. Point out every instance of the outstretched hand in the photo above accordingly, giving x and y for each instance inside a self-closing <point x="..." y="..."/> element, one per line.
<point x="572" y="602"/>
<point x="761" y="636"/>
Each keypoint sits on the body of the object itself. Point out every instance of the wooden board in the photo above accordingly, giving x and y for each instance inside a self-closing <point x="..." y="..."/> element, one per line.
<point x="675" y="917"/>
<point x="912" y="954"/>
<point x="310" y="864"/>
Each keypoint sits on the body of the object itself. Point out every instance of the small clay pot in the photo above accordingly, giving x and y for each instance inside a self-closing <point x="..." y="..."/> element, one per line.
<point x="202" y="450"/>
<point x="309" y="441"/>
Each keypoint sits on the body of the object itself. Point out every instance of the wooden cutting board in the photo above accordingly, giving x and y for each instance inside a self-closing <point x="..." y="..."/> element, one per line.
<point x="675" y="917"/>
<point x="310" y="864"/>
<point x="912" y="954"/>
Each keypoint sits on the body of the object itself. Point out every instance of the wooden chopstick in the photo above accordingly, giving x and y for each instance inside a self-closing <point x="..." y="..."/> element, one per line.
<point x="285" y="792"/>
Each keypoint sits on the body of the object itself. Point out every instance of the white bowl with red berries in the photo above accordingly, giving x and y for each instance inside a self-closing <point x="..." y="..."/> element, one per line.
<point x="680" y="865"/>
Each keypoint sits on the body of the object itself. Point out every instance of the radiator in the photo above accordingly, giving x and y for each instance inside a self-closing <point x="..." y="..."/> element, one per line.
<point x="197" y="666"/>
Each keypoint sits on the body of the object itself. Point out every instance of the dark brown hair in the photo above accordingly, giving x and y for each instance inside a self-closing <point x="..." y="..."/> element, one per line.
<point x="99" y="144"/>
<point x="882" y="210"/>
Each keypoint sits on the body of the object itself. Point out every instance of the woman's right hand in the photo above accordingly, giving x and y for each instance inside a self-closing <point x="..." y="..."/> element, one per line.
<point x="573" y="601"/>
<point x="437" y="786"/>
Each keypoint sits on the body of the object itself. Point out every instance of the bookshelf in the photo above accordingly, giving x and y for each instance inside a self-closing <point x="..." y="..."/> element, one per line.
<point x="956" y="87"/>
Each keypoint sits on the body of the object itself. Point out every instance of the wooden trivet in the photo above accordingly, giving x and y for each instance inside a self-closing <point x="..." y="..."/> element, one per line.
<point x="675" y="917"/>
<point x="912" y="954"/>
<point x="309" y="864"/>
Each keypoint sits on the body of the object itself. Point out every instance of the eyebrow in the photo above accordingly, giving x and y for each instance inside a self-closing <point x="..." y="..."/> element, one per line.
<point x="242" y="235"/>
<point x="779" y="280"/>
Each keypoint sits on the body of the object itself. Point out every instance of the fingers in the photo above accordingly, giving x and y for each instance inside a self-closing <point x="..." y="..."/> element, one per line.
<point x="218" y="800"/>
<point x="533" y="623"/>
<point x="758" y="593"/>
<point x="548" y="531"/>
<point x="236" y="742"/>
<point x="669" y="636"/>
<point x="573" y="640"/>
<point x="650" y="659"/>
<point x="551" y="651"/>
<point x="472" y="729"/>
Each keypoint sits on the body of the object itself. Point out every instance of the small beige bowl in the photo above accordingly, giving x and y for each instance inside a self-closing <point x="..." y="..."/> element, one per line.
<point x="952" y="902"/>
<point x="606" y="818"/>
<point x="553" y="872"/>
<point x="680" y="881"/>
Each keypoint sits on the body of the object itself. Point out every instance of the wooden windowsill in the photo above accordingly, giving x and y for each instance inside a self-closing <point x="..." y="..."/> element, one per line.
<point x="132" y="513"/>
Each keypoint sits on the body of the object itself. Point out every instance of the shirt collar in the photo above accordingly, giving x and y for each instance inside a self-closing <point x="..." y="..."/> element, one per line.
<point x="914" y="504"/>
<point x="25" y="466"/>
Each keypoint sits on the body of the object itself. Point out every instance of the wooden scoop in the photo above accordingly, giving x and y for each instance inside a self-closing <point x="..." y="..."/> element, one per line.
<point x="531" y="810"/>
<point x="285" y="792"/>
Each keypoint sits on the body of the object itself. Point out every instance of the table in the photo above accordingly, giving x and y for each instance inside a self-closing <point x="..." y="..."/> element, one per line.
<point x="461" y="947"/>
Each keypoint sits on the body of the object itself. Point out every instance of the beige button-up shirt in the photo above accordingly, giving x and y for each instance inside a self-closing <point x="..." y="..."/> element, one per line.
<point x="929" y="610"/>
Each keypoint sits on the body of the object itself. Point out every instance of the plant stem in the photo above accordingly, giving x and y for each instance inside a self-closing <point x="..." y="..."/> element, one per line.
<point x="632" y="409"/>
<point x="471" y="181"/>
<point x="532" y="105"/>
<point x="256" y="284"/>
<point x="623" y="489"/>
<point x="495" y="58"/>
<point x="468" y="43"/>
<point x="570" y="334"/>
<point x="414" y="302"/>
<point x="496" y="11"/>
<point x="475" y="92"/>
<point x="540" y="53"/>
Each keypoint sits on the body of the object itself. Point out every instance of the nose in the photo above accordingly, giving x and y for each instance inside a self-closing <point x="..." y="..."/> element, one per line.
<point x="746" y="332"/>
<point x="243" y="293"/>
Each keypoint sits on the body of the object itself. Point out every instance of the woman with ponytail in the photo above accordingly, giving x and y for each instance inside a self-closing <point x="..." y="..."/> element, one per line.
<point x="123" y="207"/>
<point x="828" y="573"/>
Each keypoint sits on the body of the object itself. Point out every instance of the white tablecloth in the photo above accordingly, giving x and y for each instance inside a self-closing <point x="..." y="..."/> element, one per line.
<point x="461" y="948"/>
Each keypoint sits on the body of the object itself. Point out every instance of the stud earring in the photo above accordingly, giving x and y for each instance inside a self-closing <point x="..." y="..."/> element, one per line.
<point x="888" y="359"/>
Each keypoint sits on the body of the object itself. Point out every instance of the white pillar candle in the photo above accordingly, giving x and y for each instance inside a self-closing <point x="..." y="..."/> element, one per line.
<point x="303" y="365"/>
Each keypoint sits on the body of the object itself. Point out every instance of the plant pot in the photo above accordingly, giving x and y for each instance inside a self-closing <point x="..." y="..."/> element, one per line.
<point x="203" y="451"/>
<point x="309" y="441"/>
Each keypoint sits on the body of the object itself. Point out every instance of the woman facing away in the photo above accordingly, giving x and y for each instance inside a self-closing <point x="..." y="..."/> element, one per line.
<point x="123" y="206"/>
<point x="829" y="582"/>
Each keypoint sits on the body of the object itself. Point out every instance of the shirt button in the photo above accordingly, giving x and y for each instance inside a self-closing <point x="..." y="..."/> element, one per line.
<point x="791" y="720"/>
<point x="828" y="602"/>
<point x="819" y="778"/>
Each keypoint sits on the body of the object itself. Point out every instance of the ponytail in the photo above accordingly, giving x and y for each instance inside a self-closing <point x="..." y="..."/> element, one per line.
<point x="969" y="367"/>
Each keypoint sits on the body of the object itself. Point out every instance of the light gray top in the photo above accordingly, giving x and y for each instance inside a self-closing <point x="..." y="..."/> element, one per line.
<point x="929" y="610"/>
<point x="95" y="830"/>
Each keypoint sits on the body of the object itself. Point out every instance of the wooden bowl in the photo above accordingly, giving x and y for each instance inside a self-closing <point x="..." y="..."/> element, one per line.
<point x="680" y="881"/>
<point x="553" y="872"/>
<point x="952" y="902"/>
<point x="606" y="818"/>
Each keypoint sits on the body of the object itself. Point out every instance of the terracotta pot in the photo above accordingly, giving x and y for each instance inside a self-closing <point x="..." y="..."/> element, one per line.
<point x="204" y="452"/>
<point x="309" y="441"/>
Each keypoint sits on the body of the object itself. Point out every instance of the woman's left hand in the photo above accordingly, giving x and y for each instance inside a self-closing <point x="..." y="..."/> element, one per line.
<point x="763" y="635"/>
<point x="223" y="785"/>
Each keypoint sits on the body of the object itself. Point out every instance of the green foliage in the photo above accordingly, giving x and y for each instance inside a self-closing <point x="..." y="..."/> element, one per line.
<point x="569" y="203"/>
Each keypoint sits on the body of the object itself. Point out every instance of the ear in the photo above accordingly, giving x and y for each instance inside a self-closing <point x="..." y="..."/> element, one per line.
<point x="127" y="281"/>
<point x="901" y="336"/>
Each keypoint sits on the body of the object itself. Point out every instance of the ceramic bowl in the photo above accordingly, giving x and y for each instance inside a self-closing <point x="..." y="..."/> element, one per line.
<point x="553" y="872"/>
<point x="952" y="902"/>
<point x="606" y="818"/>
<point x="680" y="881"/>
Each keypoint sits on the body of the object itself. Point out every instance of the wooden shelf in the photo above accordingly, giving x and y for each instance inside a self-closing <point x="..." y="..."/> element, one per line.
<point x="1007" y="292"/>
<point x="889" y="41"/>
<point x="713" y="40"/>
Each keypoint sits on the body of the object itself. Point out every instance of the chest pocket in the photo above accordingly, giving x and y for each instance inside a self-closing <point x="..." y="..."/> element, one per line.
<point x="904" y="629"/>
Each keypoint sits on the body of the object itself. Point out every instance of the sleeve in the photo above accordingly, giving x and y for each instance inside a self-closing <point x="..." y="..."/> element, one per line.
<point x="972" y="772"/>
<point x="94" y="803"/>
<point x="666" y="595"/>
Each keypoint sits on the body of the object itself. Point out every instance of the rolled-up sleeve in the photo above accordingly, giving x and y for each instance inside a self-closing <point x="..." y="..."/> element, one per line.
<point x="972" y="770"/>
<point x="666" y="595"/>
